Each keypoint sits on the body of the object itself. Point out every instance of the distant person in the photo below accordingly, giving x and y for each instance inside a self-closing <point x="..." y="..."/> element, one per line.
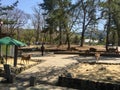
<point x="42" y="49"/>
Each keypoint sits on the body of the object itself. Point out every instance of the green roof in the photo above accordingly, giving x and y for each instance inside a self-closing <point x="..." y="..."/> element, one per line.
<point x="11" y="41"/>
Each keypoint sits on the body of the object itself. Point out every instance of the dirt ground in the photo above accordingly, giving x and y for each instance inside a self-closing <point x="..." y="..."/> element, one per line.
<point x="64" y="47"/>
<point x="97" y="72"/>
<point x="52" y="65"/>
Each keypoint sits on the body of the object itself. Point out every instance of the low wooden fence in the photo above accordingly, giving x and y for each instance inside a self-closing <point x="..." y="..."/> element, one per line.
<point x="86" y="84"/>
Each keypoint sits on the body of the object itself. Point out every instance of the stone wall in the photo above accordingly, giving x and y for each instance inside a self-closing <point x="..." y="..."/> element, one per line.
<point x="86" y="84"/>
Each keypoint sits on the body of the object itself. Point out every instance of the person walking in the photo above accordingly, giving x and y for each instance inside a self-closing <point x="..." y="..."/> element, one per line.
<point x="42" y="49"/>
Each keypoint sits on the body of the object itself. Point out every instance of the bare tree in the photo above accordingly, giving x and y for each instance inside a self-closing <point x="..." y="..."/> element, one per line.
<point x="37" y="21"/>
<point x="15" y="19"/>
<point x="87" y="9"/>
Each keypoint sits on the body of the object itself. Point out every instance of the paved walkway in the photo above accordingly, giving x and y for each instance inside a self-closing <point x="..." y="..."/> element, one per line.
<point x="50" y="68"/>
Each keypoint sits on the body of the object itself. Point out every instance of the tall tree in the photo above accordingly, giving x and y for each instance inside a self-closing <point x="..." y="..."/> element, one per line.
<point x="115" y="17"/>
<point x="112" y="16"/>
<point x="59" y="18"/>
<point x="37" y="21"/>
<point x="64" y="20"/>
<point x="87" y="15"/>
<point x="48" y="6"/>
<point x="106" y="8"/>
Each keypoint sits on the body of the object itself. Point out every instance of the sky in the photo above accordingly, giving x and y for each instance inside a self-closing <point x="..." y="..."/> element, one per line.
<point x="24" y="5"/>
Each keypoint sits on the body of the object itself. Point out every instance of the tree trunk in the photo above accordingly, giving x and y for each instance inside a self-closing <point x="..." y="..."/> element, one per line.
<point x="118" y="32"/>
<point x="107" y="40"/>
<point x="83" y="32"/>
<point x="18" y="34"/>
<point x="15" y="56"/>
<point x="108" y="27"/>
<point x="82" y="39"/>
<point x="50" y="38"/>
<point x="37" y="34"/>
<point x="60" y="29"/>
<point x="68" y="41"/>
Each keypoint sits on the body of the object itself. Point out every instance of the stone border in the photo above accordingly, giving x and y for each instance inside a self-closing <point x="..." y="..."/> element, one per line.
<point x="86" y="84"/>
<point x="100" y="63"/>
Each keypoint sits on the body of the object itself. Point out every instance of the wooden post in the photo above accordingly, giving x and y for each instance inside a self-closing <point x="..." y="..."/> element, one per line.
<point x="15" y="56"/>
<point x="32" y="81"/>
<point x="7" y="70"/>
<point x="8" y="75"/>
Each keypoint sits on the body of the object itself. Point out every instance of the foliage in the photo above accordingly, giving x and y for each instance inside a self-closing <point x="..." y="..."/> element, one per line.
<point x="111" y="13"/>
<point x="14" y="19"/>
<point x="76" y="39"/>
<point x="28" y="36"/>
<point x="3" y="9"/>
<point x="59" y="18"/>
<point x="87" y="15"/>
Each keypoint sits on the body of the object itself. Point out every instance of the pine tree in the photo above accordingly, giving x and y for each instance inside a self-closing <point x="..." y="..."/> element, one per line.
<point x="58" y="17"/>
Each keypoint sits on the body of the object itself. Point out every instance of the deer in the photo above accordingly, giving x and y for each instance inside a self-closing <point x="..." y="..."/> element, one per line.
<point x="97" y="55"/>
<point x="25" y="58"/>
